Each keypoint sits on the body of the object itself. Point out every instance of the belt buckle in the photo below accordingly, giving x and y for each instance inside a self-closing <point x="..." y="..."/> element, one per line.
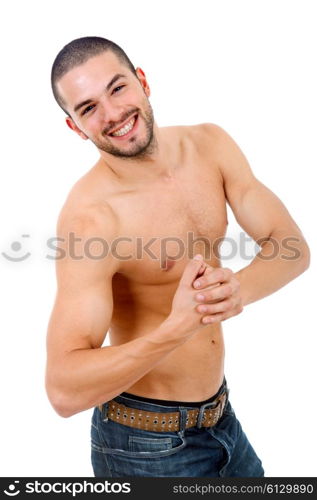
<point x="211" y="406"/>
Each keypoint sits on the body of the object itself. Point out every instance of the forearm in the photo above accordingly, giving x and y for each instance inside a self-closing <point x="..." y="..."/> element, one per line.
<point x="88" y="377"/>
<point x="273" y="267"/>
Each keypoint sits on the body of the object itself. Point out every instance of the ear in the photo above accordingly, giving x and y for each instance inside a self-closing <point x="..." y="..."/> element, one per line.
<point x="72" y="125"/>
<point x="142" y="79"/>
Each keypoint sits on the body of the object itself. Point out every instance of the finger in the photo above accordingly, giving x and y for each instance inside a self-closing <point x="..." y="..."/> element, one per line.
<point x="220" y="292"/>
<point x="205" y="269"/>
<point x="216" y="318"/>
<point x="219" y="307"/>
<point x="191" y="270"/>
<point x="218" y="275"/>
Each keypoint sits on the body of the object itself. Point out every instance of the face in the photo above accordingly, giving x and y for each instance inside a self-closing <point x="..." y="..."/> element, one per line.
<point x="109" y="105"/>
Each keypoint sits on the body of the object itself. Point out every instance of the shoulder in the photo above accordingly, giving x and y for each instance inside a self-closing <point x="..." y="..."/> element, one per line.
<point x="206" y="137"/>
<point x="212" y="142"/>
<point x="209" y="134"/>
<point x="225" y="151"/>
<point x="86" y="215"/>
<point x="199" y="134"/>
<point x="87" y="206"/>
<point x="84" y="237"/>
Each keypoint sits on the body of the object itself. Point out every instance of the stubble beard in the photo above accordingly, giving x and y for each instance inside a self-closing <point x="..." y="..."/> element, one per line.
<point x="138" y="149"/>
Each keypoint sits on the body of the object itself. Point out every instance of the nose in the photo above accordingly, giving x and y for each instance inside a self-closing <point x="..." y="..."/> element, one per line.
<point x="110" y="114"/>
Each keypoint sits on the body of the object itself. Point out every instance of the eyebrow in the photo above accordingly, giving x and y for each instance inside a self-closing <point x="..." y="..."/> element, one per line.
<point x="108" y="86"/>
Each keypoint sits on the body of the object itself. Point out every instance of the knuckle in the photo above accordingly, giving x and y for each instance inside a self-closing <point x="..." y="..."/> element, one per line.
<point x="228" y="272"/>
<point x="221" y="275"/>
<point x="229" y="305"/>
<point x="237" y="283"/>
<point x="213" y="295"/>
<point x="205" y="319"/>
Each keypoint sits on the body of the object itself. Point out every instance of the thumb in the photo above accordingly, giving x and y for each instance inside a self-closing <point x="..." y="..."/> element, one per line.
<point x="193" y="267"/>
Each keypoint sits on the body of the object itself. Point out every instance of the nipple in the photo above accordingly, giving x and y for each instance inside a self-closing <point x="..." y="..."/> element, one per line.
<point x="167" y="264"/>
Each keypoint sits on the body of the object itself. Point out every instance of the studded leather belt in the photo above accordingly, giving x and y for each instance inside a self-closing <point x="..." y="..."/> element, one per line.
<point x="165" y="422"/>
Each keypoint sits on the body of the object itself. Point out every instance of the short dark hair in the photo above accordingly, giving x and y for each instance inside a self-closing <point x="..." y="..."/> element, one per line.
<point x="77" y="52"/>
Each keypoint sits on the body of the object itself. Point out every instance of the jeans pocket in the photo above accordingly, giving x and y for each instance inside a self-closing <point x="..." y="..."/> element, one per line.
<point x="143" y="455"/>
<point x="144" y="447"/>
<point x="144" y="444"/>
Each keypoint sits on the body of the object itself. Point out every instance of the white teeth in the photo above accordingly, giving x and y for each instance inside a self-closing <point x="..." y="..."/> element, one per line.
<point x="124" y="130"/>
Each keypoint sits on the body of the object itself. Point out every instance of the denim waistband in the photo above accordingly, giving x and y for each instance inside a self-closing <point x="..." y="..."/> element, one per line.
<point x="149" y="404"/>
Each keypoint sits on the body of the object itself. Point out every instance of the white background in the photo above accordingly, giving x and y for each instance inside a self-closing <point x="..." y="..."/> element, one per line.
<point x="246" y="65"/>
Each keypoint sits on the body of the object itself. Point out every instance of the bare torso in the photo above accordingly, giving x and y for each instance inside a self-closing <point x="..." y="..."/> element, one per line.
<point x="167" y="214"/>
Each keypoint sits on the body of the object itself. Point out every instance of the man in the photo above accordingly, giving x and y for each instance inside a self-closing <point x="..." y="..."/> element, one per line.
<point x="138" y="239"/>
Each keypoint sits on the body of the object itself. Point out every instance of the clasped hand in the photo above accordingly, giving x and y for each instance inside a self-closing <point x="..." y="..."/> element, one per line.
<point x="218" y="294"/>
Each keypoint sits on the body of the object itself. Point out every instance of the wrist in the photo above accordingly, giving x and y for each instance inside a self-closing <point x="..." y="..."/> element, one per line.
<point x="177" y="326"/>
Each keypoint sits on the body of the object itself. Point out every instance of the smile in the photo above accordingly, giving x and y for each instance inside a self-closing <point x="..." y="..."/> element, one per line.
<point x="125" y="129"/>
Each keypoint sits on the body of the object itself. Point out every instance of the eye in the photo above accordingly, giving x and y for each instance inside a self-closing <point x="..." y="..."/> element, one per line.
<point x="117" y="89"/>
<point x="86" y="110"/>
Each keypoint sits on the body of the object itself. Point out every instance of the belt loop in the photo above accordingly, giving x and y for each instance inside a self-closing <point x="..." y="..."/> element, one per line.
<point x="104" y="413"/>
<point x="182" y="420"/>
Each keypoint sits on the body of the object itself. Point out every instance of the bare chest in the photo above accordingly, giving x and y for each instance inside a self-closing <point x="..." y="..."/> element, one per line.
<point x="163" y="226"/>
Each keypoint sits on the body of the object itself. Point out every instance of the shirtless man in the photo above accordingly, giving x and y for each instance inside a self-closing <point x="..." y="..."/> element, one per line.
<point x="159" y="394"/>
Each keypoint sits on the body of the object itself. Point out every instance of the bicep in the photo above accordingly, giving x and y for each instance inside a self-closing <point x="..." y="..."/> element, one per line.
<point x="260" y="212"/>
<point x="83" y="305"/>
<point x="79" y="320"/>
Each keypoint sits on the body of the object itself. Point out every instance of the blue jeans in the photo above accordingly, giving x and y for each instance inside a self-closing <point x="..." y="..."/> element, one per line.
<point x="219" y="451"/>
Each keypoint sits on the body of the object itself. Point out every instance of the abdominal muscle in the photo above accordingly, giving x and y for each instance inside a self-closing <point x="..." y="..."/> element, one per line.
<point x="193" y="371"/>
